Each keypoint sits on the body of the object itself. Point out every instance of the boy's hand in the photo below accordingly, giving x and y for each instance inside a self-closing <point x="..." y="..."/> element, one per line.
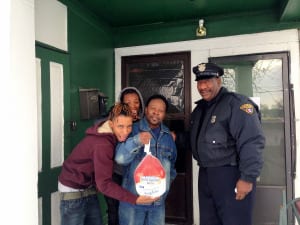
<point x="146" y="199"/>
<point x="145" y="137"/>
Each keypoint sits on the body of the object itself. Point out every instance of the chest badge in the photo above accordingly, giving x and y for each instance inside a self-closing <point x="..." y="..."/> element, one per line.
<point x="213" y="119"/>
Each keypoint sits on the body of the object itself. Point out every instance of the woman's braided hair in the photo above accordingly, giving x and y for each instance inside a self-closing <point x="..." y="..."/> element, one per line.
<point x="119" y="109"/>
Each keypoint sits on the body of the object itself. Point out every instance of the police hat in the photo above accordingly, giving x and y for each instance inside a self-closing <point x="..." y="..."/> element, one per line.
<point x="207" y="71"/>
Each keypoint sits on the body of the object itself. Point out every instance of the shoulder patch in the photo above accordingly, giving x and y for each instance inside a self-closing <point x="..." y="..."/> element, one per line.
<point x="248" y="108"/>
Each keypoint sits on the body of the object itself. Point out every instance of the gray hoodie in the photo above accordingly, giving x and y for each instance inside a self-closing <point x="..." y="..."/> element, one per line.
<point x="118" y="168"/>
<point x="133" y="90"/>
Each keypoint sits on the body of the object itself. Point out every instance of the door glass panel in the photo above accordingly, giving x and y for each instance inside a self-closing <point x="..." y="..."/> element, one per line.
<point x="40" y="211"/>
<point x="165" y="77"/>
<point x="262" y="79"/>
<point x="39" y="111"/>
<point x="55" y="204"/>
<point x="57" y="114"/>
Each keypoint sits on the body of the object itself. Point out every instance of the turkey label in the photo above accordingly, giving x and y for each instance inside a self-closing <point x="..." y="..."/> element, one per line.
<point x="150" y="176"/>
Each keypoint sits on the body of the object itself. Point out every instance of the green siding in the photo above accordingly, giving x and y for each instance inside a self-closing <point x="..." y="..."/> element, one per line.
<point x="91" y="52"/>
<point x="185" y="30"/>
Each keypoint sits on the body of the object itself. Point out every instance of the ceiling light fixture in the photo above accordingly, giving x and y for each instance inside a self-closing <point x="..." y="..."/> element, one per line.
<point x="201" y="30"/>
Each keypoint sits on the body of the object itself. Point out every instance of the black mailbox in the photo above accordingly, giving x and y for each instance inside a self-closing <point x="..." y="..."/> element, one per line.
<point x="92" y="103"/>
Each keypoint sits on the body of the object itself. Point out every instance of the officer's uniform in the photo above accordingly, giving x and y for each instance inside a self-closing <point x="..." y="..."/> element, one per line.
<point x="227" y="141"/>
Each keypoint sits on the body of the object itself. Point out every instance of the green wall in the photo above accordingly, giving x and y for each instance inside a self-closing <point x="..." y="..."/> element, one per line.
<point x="91" y="51"/>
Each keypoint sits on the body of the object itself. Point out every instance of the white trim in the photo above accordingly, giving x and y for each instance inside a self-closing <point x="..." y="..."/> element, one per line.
<point x="56" y="114"/>
<point x="18" y="117"/>
<point x="51" y="23"/>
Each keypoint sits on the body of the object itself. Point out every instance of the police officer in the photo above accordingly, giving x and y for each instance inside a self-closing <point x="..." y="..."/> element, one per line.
<point x="227" y="141"/>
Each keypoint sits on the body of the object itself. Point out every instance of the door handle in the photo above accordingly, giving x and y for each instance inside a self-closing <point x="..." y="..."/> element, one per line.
<point x="73" y="125"/>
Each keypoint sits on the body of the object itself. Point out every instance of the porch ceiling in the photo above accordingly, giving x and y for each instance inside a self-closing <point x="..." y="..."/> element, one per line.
<point x="122" y="13"/>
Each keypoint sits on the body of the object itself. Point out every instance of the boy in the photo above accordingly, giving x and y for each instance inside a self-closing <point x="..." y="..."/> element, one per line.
<point x="131" y="152"/>
<point x="89" y="169"/>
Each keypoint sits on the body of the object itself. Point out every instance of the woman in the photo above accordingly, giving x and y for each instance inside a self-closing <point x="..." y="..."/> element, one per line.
<point x="133" y="98"/>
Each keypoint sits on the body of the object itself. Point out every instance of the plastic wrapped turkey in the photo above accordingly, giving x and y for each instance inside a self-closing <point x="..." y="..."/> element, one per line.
<point x="150" y="176"/>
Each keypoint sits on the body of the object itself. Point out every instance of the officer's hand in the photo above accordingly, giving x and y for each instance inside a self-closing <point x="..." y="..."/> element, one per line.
<point x="145" y="137"/>
<point x="242" y="189"/>
<point x="146" y="199"/>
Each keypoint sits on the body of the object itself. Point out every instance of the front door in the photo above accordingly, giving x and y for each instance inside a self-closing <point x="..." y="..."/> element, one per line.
<point x="169" y="75"/>
<point x="52" y="70"/>
<point x="265" y="78"/>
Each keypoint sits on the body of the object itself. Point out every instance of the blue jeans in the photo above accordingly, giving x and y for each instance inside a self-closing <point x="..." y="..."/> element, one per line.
<point x="141" y="215"/>
<point x="82" y="211"/>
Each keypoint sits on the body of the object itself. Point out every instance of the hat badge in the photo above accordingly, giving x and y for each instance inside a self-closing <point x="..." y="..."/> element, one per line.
<point x="201" y="67"/>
